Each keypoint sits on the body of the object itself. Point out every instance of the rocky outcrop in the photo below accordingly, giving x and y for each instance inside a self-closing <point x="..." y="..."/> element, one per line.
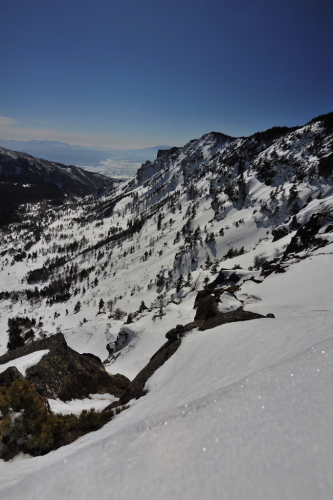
<point x="136" y="388"/>
<point x="64" y="373"/>
<point x="280" y="232"/>
<point x="229" y="317"/>
<point x="306" y="236"/>
<point x="168" y="152"/>
<point x="208" y="316"/>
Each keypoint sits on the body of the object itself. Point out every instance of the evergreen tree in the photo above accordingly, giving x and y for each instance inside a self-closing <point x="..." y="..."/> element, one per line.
<point x="179" y="283"/>
<point x="189" y="279"/>
<point x="159" y="221"/>
<point x="77" y="307"/>
<point x="142" y="307"/>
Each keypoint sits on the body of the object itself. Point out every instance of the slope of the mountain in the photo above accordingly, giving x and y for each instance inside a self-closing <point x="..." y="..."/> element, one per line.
<point x="248" y="220"/>
<point x="26" y="179"/>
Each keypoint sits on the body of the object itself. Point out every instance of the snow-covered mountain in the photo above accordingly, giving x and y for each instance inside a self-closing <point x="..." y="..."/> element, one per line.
<point x="70" y="179"/>
<point x="113" y="162"/>
<point x="241" y="409"/>
<point x="26" y="179"/>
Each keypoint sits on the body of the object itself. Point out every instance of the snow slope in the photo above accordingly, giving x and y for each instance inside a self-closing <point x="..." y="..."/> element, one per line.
<point x="25" y="362"/>
<point x="241" y="411"/>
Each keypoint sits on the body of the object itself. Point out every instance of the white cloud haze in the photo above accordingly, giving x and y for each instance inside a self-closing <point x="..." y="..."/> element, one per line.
<point x="10" y="130"/>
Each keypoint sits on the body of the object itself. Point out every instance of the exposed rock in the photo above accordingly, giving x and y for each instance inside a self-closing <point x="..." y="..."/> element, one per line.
<point x="175" y="333"/>
<point x="279" y="232"/>
<point x="169" y="152"/>
<point x="224" y="278"/>
<point x="92" y="356"/>
<point x="229" y="317"/>
<point x="136" y="388"/>
<point x="63" y="373"/>
<point x="206" y="307"/>
<point x="305" y="236"/>
<point x="207" y="316"/>
<point x="124" y="338"/>
<point x="272" y="266"/>
<point x="294" y="224"/>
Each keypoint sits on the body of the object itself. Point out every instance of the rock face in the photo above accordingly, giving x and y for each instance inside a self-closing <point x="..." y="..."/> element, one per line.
<point x="63" y="373"/>
<point x="208" y="316"/>
<point x="136" y="388"/>
<point x="279" y="232"/>
<point x="306" y="236"/>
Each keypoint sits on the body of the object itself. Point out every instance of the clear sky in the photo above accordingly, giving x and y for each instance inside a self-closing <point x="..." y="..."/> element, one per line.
<point x="136" y="73"/>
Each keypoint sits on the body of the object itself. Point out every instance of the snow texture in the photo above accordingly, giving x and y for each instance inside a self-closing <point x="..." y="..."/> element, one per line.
<point x="75" y="406"/>
<point x="25" y="362"/>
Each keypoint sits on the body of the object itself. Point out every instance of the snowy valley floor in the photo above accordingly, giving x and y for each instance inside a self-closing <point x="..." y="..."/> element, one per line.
<point x="241" y="411"/>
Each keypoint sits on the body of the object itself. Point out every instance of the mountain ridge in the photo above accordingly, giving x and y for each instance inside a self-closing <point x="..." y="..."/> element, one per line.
<point x="25" y="178"/>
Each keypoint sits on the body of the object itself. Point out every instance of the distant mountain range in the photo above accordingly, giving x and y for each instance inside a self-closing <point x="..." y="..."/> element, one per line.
<point x="27" y="179"/>
<point x="108" y="161"/>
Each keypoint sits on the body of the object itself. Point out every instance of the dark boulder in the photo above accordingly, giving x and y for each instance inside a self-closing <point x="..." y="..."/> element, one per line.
<point x="207" y="307"/>
<point x="202" y="294"/>
<point x="294" y="224"/>
<point x="272" y="266"/>
<point x="64" y="373"/>
<point x="208" y="315"/>
<point x="279" y="232"/>
<point x="92" y="356"/>
<point x="175" y="333"/>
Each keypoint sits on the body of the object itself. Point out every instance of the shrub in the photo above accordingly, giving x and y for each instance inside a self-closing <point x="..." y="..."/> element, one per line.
<point x="28" y="426"/>
<point x="118" y="313"/>
<point x="259" y="260"/>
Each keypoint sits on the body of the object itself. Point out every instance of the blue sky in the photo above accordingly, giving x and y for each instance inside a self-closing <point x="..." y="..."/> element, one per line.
<point x="137" y="73"/>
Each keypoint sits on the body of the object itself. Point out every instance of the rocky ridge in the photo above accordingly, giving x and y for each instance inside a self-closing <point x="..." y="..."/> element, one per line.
<point x="63" y="373"/>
